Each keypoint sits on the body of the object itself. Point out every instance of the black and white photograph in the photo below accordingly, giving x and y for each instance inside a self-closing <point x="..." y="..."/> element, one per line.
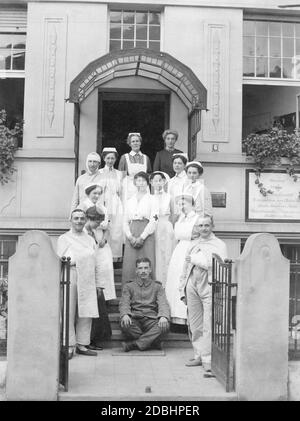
<point x="149" y="203"/>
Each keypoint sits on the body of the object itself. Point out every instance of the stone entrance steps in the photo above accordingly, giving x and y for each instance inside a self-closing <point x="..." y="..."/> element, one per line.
<point x="172" y="340"/>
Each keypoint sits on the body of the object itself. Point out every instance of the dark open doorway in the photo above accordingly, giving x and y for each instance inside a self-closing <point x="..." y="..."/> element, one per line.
<point x="120" y="113"/>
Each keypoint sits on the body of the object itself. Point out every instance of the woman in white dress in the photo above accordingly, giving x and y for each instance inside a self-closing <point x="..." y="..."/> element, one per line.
<point x="164" y="232"/>
<point x="131" y="163"/>
<point x="111" y="181"/>
<point x="90" y="176"/>
<point x="184" y="234"/>
<point x="139" y="226"/>
<point x="195" y="186"/>
<point x="103" y="253"/>
<point x="176" y="183"/>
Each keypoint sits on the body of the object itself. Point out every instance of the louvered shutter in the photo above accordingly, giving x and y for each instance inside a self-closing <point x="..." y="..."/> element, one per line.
<point x="13" y="19"/>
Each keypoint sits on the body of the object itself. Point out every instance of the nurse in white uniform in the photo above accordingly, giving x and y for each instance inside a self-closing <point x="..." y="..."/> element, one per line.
<point x="132" y="163"/>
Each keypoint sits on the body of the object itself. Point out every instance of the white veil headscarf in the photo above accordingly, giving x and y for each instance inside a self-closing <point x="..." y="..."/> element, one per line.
<point x="93" y="156"/>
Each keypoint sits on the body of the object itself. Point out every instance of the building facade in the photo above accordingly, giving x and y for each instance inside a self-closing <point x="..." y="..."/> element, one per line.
<point x="83" y="74"/>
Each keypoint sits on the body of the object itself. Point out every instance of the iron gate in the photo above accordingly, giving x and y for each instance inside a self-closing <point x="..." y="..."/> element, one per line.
<point x="223" y="322"/>
<point x="64" y="322"/>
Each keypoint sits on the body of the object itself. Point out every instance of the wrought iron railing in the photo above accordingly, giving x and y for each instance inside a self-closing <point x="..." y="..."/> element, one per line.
<point x="3" y="315"/>
<point x="64" y="323"/>
<point x="294" y="312"/>
<point x="223" y="322"/>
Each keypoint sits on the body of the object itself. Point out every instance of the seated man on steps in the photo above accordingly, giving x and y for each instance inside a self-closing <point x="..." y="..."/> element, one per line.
<point x="144" y="310"/>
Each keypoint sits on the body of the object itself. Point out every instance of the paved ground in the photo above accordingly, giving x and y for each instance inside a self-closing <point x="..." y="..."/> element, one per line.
<point x="108" y="377"/>
<point x="294" y="381"/>
<point x="3" y="364"/>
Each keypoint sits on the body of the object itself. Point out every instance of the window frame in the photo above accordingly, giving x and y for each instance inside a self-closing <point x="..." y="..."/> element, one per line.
<point x="297" y="111"/>
<point x="15" y="73"/>
<point x="3" y="258"/>
<point x="135" y="9"/>
<point x="11" y="73"/>
<point x="14" y="109"/>
<point x="258" y="80"/>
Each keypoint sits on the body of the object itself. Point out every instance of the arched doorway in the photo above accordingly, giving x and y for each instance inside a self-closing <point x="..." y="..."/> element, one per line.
<point x="171" y="74"/>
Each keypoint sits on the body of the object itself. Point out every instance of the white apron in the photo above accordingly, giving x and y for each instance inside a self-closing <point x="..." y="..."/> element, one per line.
<point x="176" y="188"/>
<point x="87" y="297"/>
<point x="128" y="188"/>
<point x="201" y="195"/>
<point x="183" y="232"/>
<point x="75" y="247"/>
<point x="105" y="267"/>
<point x="112" y="183"/>
<point x="164" y="236"/>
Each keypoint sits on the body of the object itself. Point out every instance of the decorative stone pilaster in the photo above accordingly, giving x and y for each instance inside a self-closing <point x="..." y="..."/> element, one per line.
<point x="216" y="127"/>
<point x="53" y="87"/>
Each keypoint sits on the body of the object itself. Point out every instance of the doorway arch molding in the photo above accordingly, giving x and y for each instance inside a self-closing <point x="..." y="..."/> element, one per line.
<point x="150" y="64"/>
<point x="147" y="63"/>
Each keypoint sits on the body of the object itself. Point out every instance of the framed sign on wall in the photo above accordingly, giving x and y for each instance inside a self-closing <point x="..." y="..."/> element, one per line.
<point x="282" y="205"/>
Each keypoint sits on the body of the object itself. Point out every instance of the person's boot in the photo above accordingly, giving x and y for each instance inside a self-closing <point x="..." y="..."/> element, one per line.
<point x="129" y="346"/>
<point x="95" y="347"/>
<point x="157" y="345"/>
<point x="207" y="370"/>
<point x="193" y="362"/>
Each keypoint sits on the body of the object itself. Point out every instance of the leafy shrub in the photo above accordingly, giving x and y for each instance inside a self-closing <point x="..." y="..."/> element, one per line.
<point x="8" y="146"/>
<point x="268" y="148"/>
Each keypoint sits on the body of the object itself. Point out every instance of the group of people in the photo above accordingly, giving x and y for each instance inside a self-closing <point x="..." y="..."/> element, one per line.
<point x="159" y="223"/>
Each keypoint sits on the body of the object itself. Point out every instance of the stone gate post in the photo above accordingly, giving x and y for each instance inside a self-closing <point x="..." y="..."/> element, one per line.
<point x="33" y="320"/>
<point x="262" y="274"/>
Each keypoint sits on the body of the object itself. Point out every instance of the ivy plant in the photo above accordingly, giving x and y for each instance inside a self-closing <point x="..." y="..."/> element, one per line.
<point x="269" y="148"/>
<point x="8" y="146"/>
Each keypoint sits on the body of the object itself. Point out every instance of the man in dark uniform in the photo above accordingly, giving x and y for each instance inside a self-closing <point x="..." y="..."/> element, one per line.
<point x="144" y="310"/>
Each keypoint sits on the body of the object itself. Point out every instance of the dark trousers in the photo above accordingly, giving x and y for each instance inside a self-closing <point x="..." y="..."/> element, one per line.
<point x="101" y="329"/>
<point x="145" y="331"/>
